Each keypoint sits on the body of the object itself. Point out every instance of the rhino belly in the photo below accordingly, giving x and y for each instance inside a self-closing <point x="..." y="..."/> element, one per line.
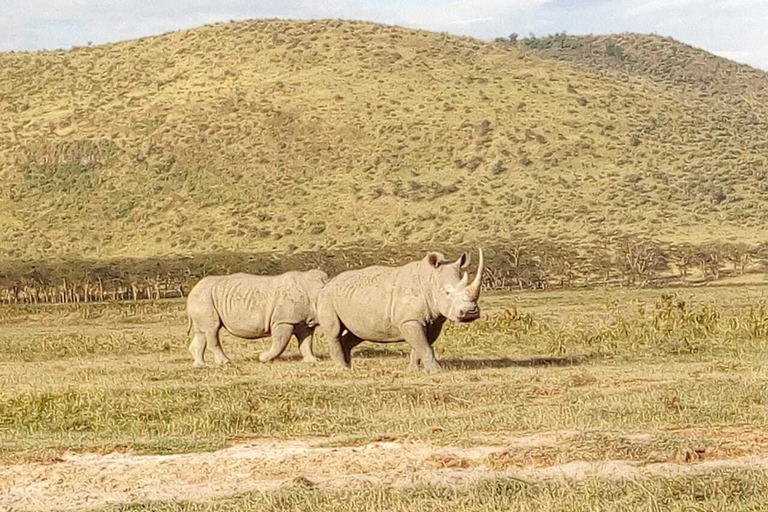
<point x="246" y="325"/>
<point x="370" y="329"/>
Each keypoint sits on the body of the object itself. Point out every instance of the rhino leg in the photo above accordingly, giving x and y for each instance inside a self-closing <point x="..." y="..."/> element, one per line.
<point x="331" y="327"/>
<point x="281" y="336"/>
<point x="214" y="345"/>
<point x="416" y="336"/>
<point x="348" y="342"/>
<point x="433" y="332"/>
<point x="197" y="348"/>
<point x="305" y="344"/>
<point x="414" y="361"/>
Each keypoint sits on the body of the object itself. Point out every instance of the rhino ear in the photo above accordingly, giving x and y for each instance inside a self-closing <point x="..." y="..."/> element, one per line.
<point x="463" y="261"/>
<point x="433" y="259"/>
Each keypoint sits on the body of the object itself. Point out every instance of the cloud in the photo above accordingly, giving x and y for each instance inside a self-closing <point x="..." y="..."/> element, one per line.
<point x="441" y="15"/>
<point x="689" y="7"/>
<point x="653" y="7"/>
<point x="735" y="28"/>
<point x="475" y="20"/>
<point x="738" y="56"/>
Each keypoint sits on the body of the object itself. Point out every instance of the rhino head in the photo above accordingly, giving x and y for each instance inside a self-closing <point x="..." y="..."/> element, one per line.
<point x="453" y="295"/>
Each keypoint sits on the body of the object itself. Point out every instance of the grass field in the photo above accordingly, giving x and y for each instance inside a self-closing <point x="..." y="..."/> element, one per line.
<point x="252" y="146"/>
<point x="647" y="379"/>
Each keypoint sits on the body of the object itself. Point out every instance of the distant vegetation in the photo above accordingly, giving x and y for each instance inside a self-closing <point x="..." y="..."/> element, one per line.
<point x="521" y="264"/>
<point x="135" y="167"/>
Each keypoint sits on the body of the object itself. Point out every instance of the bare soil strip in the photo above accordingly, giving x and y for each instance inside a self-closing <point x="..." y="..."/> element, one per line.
<point x="77" y="481"/>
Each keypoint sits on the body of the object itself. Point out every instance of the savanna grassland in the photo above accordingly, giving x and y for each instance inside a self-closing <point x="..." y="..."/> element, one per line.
<point x="131" y="170"/>
<point x="665" y="391"/>
<point x="269" y="136"/>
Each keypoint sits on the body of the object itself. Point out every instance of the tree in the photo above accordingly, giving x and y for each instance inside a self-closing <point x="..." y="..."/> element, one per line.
<point x="739" y="255"/>
<point x="683" y="255"/>
<point x="516" y="256"/>
<point x="709" y="258"/>
<point x="639" y="259"/>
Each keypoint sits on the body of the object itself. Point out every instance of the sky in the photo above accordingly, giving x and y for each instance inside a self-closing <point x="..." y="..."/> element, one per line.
<point x="735" y="29"/>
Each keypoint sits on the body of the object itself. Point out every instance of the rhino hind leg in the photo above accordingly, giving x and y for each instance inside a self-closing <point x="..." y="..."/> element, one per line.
<point x="331" y="327"/>
<point x="348" y="342"/>
<point x="197" y="349"/>
<point x="281" y="336"/>
<point x="214" y="345"/>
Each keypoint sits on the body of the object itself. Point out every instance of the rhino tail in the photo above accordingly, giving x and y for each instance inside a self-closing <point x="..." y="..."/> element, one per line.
<point x="189" y="325"/>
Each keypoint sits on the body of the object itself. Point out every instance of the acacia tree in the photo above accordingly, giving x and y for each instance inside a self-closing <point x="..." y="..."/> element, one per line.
<point x="566" y="264"/>
<point x="683" y="255"/>
<point x="600" y="259"/>
<point x="517" y="257"/>
<point x="739" y="254"/>
<point x="639" y="259"/>
<point x="709" y="257"/>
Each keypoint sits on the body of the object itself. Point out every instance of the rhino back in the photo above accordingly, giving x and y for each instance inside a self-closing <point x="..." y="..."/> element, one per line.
<point x="250" y="305"/>
<point x="373" y="302"/>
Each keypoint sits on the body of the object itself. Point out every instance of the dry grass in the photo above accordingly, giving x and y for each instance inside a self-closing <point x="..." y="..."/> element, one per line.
<point x="651" y="365"/>
<point x="719" y="491"/>
<point x="550" y="378"/>
<point x="269" y="135"/>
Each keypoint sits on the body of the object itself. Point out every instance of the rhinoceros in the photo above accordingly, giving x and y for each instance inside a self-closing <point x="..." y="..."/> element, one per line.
<point x="390" y="304"/>
<point x="252" y="307"/>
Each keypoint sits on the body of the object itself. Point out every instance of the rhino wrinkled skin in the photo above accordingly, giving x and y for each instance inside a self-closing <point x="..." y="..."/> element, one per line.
<point x="390" y="304"/>
<point x="251" y="307"/>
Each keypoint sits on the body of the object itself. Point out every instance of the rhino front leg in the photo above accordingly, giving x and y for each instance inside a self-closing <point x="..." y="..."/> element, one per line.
<point x="415" y="360"/>
<point x="305" y="345"/>
<point x="281" y="336"/>
<point x="421" y="350"/>
<point x="433" y="332"/>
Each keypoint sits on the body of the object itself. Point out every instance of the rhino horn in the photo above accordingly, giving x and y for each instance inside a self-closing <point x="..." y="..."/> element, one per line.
<point x="473" y="290"/>
<point x="464" y="281"/>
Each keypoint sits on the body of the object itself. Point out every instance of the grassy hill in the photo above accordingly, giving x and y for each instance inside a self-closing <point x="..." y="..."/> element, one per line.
<point x="284" y="136"/>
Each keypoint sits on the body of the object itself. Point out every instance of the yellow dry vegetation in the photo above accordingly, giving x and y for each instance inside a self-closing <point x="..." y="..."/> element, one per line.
<point x="319" y="136"/>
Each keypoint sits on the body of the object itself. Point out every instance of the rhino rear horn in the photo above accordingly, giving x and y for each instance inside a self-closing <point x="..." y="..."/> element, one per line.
<point x="473" y="290"/>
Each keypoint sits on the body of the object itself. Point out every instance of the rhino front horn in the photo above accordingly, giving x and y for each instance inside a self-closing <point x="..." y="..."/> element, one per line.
<point x="474" y="288"/>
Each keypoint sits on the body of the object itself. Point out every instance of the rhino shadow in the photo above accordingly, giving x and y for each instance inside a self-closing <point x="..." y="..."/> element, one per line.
<point x="506" y="362"/>
<point x="369" y="353"/>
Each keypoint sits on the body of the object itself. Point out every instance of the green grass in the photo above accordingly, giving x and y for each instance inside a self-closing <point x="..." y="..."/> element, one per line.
<point x="650" y="365"/>
<point x="717" y="491"/>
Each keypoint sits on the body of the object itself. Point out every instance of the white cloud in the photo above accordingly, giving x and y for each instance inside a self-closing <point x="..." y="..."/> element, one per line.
<point x="475" y="20"/>
<point x="652" y="7"/>
<point x="441" y="15"/>
<point x="735" y="28"/>
<point x="738" y="56"/>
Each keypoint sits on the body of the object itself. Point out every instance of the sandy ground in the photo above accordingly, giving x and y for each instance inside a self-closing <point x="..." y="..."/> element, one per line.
<point x="78" y="481"/>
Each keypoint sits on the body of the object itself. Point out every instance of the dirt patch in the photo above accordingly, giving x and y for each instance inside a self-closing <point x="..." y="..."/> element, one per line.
<point x="73" y="481"/>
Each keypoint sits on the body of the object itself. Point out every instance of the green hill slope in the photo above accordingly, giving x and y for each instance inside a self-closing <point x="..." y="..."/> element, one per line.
<point x="318" y="136"/>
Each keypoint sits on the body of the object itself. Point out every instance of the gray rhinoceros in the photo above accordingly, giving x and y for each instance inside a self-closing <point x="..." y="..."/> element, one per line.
<point x="390" y="304"/>
<point x="253" y="307"/>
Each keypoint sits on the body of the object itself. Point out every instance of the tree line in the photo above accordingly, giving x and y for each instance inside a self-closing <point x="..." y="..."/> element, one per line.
<point x="522" y="263"/>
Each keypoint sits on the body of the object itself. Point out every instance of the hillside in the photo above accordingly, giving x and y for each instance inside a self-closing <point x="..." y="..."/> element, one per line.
<point x="318" y="136"/>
